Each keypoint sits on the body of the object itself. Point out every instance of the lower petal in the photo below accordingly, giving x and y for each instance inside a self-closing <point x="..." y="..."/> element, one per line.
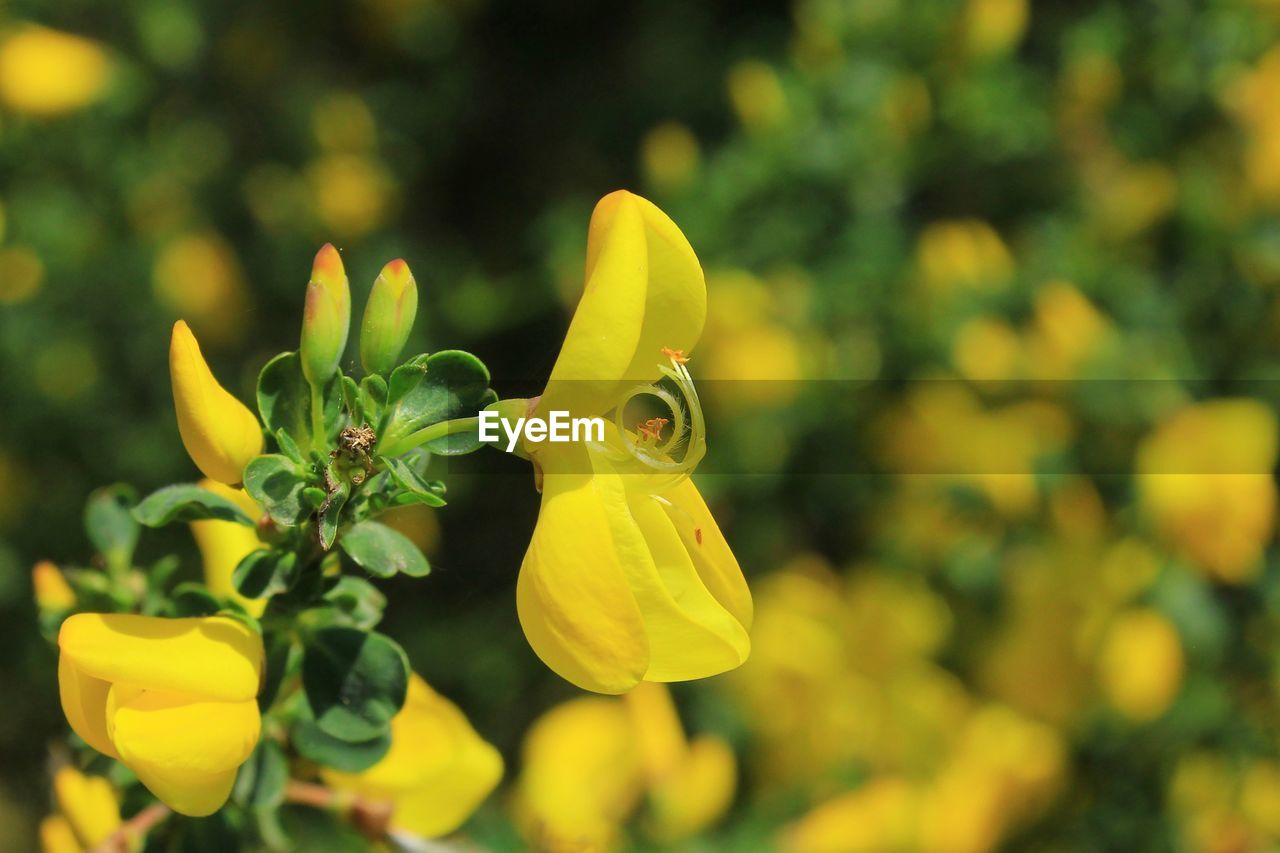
<point x="184" y="749"/>
<point x="572" y="595"/>
<point x="709" y="551"/>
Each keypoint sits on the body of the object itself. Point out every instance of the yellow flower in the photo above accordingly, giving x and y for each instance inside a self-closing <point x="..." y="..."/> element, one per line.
<point x="46" y="72"/>
<point x="965" y="254"/>
<point x="220" y="433"/>
<point x="580" y="777"/>
<point x="993" y="28"/>
<point x="628" y="577"/>
<point x="437" y="772"/>
<point x="223" y="544"/>
<point x="880" y="815"/>
<point x="690" y="783"/>
<point x="88" y="807"/>
<point x="757" y="95"/>
<point x="52" y="590"/>
<point x="669" y="155"/>
<point x="173" y="699"/>
<point x="1204" y="477"/>
<point x="1140" y="664"/>
<point x="589" y="763"/>
<point x="199" y="277"/>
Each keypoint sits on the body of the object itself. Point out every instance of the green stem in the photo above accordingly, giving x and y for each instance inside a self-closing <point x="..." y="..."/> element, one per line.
<point x="318" y="437"/>
<point x="429" y="433"/>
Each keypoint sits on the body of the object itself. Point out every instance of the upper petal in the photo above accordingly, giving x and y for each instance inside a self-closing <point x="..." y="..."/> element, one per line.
<point x="573" y="599"/>
<point x="219" y="432"/>
<point x="644" y="291"/>
<point x="215" y="657"/>
<point x="185" y="749"/>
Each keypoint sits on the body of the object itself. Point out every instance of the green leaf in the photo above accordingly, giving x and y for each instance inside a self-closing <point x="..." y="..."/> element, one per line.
<point x="277" y="482"/>
<point x="193" y="599"/>
<point x="111" y="527"/>
<point x="187" y="503"/>
<point x="419" y="490"/>
<point x="427" y="390"/>
<point x="373" y="396"/>
<point x="289" y="448"/>
<point x="314" y="744"/>
<point x="261" y="780"/>
<point x="355" y="681"/>
<point x="360" y="602"/>
<point x="382" y="551"/>
<point x="351" y="398"/>
<point x="284" y="401"/>
<point x="331" y="514"/>
<point x="264" y="572"/>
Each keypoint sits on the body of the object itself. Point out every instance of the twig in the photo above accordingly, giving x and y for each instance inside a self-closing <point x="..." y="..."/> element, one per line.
<point x="371" y="817"/>
<point x="135" y="827"/>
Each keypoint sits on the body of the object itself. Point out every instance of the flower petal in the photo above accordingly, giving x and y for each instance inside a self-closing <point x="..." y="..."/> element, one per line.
<point x="88" y="803"/>
<point x="712" y="556"/>
<point x="56" y="836"/>
<point x="214" y="657"/>
<point x="690" y="634"/>
<point x="84" y="702"/>
<point x="186" y="750"/>
<point x="223" y="544"/>
<point x="572" y="596"/>
<point x="696" y="794"/>
<point x="644" y="291"/>
<point x="220" y="433"/>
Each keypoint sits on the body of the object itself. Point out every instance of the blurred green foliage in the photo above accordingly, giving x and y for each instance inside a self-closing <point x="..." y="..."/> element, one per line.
<point x="1011" y="245"/>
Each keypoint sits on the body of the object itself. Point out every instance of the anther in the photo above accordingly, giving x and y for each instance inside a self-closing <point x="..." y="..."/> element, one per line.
<point x="677" y="356"/>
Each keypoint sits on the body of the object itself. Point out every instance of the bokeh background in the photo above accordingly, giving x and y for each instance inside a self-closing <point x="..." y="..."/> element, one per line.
<point x="992" y="345"/>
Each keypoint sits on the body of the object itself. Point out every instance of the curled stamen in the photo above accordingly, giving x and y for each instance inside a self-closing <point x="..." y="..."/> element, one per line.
<point x="675" y="457"/>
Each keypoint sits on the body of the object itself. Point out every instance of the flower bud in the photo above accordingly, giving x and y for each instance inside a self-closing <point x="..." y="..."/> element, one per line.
<point x="88" y="804"/>
<point x="53" y="593"/>
<point x="220" y="433"/>
<point x="388" y="317"/>
<point x="326" y="317"/>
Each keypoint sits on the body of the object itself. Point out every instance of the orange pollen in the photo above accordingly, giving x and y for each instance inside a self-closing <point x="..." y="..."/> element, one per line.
<point x="676" y="355"/>
<point x="652" y="428"/>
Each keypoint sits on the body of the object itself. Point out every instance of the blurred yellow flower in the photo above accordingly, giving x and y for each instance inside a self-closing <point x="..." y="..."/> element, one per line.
<point x="907" y="107"/>
<point x="883" y="814"/>
<point x="198" y="276"/>
<point x="173" y="699"/>
<point x="589" y="763"/>
<point x="993" y="28"/>
<point x="51" y="588"/>
<point x="690" y="784"/>
<point x="351" y="195"/>
<point x="580" y="776"/>
<point x="88" y="812"/>
<point x="1251" y="96"/>
<point x="669" y="156"/>
<point x="47" y="72"/>
<point x="21" y="274"/>
<point x="748" y="355"/>
<point x="1204" y="478"/>
<point x="963" y="254"/>
<point x="342" y="123"/>
<point x="1066" y="330"/>
<point x="223" y="544"/>
<point x="1129" y="198"/>
<point x="987" y="349"/>
<point x="57" y="836"/>
<point x="757" y="95"/>
<point x="1140" y="664"/>
<point x="437" y="771"/>
<point x="220" y="433"/>
<point x="628" y="577"/>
